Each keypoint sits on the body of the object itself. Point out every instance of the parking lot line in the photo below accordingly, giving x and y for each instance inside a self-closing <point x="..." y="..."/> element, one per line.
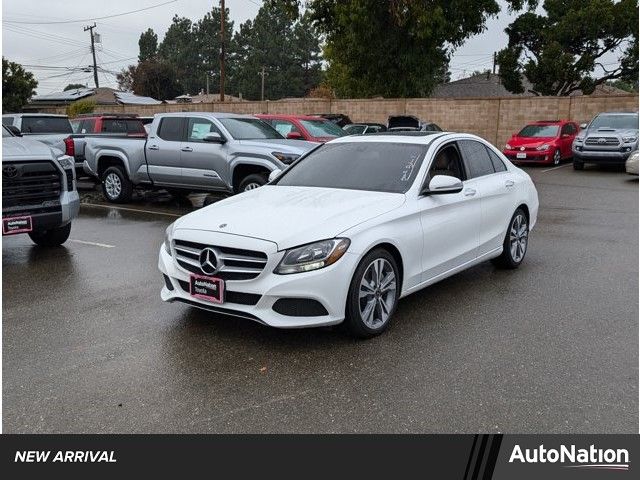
<point x="95" y="244"/>
<point x="139" y="210"/>
<point x="556" y="168"/>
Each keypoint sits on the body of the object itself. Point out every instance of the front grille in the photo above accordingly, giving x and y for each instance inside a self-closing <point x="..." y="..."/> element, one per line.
<point x="30" y="184"/>
<point x="230" y="296"/>
<point x="608" y="141"/>
<point x="236" y="264"/>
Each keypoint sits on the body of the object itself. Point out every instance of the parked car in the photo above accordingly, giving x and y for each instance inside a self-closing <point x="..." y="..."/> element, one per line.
<point x="409" y="123"/>
<point x="364" y="128"/>
<point x="608" y="139"/>
<point x="191" y="152"/>
<point x="39" y="195"/>
<point x="339" y="119"/>
<point x="631" y="165"/>
<point x="355" y="225"/>
<point x="542" y="142"/>
<point x="100" y="123"/>
<point x="45" y="127"/>
<point x="303" y="127"/>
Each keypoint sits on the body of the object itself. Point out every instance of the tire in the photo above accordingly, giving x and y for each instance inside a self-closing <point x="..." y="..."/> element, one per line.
<point x="557" y="157"/>
<point x="578" y="165"/>
<point x="116" y="186"/>
<point x="252" y="181"/>
<point x="54" y="237"/>
<point x="357" y="321"/>
<point x="209" y="200"/>
<point x="518" y="234"/>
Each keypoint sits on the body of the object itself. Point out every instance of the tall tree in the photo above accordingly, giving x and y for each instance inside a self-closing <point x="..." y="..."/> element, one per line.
<point x="74" y="86"/>
<point x="151" y="78"/>
<point x="563" y="51"/>
<point x="148" y="45"/>
<point x="207" y="37"/>
<point x="288" y="49"/>
<point x="18" y="85"/>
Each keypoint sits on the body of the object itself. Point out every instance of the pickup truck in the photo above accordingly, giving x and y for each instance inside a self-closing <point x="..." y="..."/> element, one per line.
<point x="45" y="127"/>
<point x="191" y="152"/>
<point x="39" y="194"/>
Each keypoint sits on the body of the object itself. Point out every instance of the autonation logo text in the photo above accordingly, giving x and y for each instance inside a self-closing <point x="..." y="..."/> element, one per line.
<point x="573" y="457"/>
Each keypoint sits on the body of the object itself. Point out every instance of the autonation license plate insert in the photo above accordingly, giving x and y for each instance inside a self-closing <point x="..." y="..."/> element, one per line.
<point x="207" y="288"/>
<point x="521" y="155"/>
<point x="16" y="225"/>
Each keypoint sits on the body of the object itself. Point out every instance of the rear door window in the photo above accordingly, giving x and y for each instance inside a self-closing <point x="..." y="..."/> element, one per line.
<point x="46" y="125"/>
<point x="171" y="129"/>
<point x="476" y="158"/>
<point x="498" y="164"/>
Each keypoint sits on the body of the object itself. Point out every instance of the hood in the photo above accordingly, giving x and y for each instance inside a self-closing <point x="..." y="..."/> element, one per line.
<point x="283" y="145"/>
<point x="24" y="148"/>
<point x="291" y="216"/>
<point x="529" y="142"/>
<point x="54" y="140"/>
<point x="627" y="132"/>
<point x="403" y="121"/>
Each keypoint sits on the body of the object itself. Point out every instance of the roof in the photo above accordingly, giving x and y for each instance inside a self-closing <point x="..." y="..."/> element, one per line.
<point x="48" y="115"/>
<point x="290" y="116"/>
<point x="481" y="85"/>
<point x="102" y="96"/>
<point x="206" y="114"/>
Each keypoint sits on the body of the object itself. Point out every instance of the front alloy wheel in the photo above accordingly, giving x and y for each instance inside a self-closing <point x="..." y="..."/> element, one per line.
<point x="373" y="294"/>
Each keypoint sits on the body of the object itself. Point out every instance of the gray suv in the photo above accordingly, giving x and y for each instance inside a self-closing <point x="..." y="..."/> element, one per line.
<point x="609" y="139"/>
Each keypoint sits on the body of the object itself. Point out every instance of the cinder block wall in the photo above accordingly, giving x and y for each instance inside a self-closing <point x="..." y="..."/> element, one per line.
<point x="494" y="119"/>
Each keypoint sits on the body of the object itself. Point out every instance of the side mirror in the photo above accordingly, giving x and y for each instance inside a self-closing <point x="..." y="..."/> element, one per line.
<point x="565" y="135"/>
<point x="294" y="136"/>
<point x="274" y="174"/>
<point x="213" y="137"/>
<point x="583" y="126"/>
<point x="441" y="184"/>
<point x="14" y="130"/>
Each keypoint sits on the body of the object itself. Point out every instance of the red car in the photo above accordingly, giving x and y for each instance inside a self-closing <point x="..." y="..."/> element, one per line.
<point x="542" y="142"/>
<point x="304" y="127"/>
<point x="109" y="123"/>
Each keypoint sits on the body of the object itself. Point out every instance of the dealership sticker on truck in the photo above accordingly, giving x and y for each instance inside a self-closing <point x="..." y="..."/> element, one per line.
<point x="207" y="288"/>
<point x="14" y="225"/>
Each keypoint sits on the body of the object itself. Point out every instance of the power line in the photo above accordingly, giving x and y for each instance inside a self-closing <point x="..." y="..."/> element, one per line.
<point x="92" y="18"/>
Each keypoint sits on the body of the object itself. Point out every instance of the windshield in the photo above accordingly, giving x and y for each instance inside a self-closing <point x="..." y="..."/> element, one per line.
<point x="539" y="131"/>
<point x="46" y="125"/>
<point x="355" y="129"/>
<point x="249" y="129"/>
<point x="5" y="132"/>
<point x="322" y="128"/>
<point x="619" y="122"/>
<point x="373" y="166"/>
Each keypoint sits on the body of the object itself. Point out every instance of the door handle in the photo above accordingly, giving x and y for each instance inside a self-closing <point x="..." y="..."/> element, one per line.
<point x="509" y="183"/>
<point x="154" y="147"/>
<point x="187" y="149"/>
<point x="469" y="192"/>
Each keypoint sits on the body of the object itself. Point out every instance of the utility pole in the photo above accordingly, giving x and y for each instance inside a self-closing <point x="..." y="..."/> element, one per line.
<point x="263" y="74"/>
<point x="93" y="52"/>
<point x="495" y="59"/>
<point x="222" y="19"/>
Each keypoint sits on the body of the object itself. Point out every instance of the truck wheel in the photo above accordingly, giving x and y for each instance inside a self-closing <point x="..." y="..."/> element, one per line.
<point x="116" y="186"/>
<point x="53" y="237"/>
<point x="252" y="181"/>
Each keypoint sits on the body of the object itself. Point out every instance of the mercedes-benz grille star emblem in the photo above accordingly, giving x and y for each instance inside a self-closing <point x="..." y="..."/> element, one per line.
<point x="10" y="171"/>
<point x="208" y="261"/>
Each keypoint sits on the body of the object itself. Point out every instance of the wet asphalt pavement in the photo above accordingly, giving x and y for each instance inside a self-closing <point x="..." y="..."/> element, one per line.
<point x="88" y="346"/>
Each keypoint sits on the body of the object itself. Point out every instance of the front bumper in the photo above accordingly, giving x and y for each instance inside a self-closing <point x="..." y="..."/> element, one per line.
<point x="329" y="286"/>
<point x="46" y="218"/>
<point x="604" y="157"/>
<point x="537" y="156"/>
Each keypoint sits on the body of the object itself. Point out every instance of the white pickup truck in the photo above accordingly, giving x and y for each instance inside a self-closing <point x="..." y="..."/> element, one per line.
<point x="191" y="152"/>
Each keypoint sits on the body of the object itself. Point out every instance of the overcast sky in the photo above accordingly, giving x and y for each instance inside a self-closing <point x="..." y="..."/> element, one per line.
<point x="67" y="45"/>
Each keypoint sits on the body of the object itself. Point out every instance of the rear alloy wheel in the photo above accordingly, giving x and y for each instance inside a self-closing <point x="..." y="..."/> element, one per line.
<point x="116" y="187"/>
<point x="557" y="157"/>
<point x="515" y="243"/>
<point x="251" y="182"/>
<point x="373" y="295"/>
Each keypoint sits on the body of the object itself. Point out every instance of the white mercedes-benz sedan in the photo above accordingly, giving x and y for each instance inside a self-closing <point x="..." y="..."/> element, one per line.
<point x="349" y="229"/>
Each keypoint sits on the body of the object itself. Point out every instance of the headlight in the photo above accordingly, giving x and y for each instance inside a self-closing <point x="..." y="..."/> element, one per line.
<point x="579" y="139"/>
<point x="65" y="162"/>
<point x="286" y="158"/>
<point x="168" y="236"/>
<point x="629" y="139"/>
<point x="508" y="147"/>
<point x="543" y="147"/>
<point x="312" y="256"/>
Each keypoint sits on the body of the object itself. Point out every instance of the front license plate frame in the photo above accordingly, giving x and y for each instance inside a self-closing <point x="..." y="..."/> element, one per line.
<point x="210" y="289"/>
<point x="15" y="225"/>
